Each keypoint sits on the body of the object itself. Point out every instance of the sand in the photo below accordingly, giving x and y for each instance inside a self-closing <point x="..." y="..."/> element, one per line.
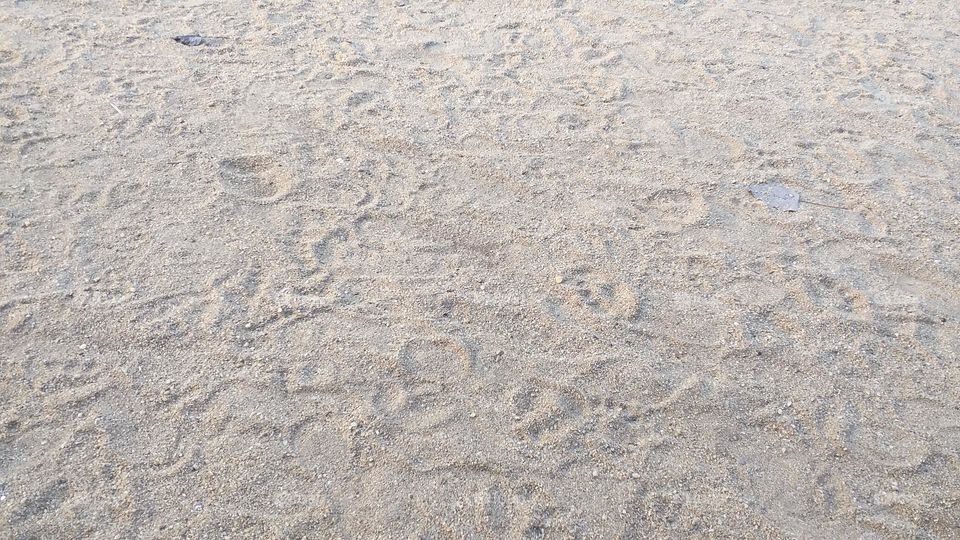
<point x="450" y="269"/>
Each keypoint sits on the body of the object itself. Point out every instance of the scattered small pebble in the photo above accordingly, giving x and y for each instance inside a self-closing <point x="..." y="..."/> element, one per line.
<point x="558" y="279"/>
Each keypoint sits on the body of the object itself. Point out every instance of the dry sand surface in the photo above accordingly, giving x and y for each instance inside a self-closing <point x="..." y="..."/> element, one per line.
<point x="450" y="269"/>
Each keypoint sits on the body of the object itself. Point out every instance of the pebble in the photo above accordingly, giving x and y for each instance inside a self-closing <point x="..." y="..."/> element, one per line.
<point x="473" y="415"/>
<point x="635" y="475"/>
<point x="558" y="279"/>
<point x="595" y="473"/>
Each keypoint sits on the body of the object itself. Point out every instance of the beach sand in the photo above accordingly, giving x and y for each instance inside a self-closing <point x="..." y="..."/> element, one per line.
<point x="450" y="269"/>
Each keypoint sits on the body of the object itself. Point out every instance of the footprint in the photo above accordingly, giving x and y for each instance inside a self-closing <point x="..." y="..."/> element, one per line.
<point x="441" y="360"/>
<point x="321" y="450"/>
<point x="670" y="210"/>
<point x="256" y="178"/>
<point x="571" y="121"/>
<point x="830" y="295"/>
<point x="602" y="295"/>
<point x="11" y="116"/>
<point x="48" y="499"/>
<point x="322" y="250"/>
<point x="405" y="408"/>
<point x="8" y="56"/>
<point x="754" y="293"/>
<point x="311" y="377"/>
<point x="494" y="509"/>
<point x="663" y="508"/>
<point x="674" y="208"/>
<point x="545" y="414"/>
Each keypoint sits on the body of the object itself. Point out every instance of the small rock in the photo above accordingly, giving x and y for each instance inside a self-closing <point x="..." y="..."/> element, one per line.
<point x="777" y="196"/>
<point x="191" y="40"/>
<point x="558" y="279"/>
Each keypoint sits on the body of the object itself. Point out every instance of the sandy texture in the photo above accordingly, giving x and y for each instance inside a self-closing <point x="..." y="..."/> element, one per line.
<point x="479" y="269"/>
